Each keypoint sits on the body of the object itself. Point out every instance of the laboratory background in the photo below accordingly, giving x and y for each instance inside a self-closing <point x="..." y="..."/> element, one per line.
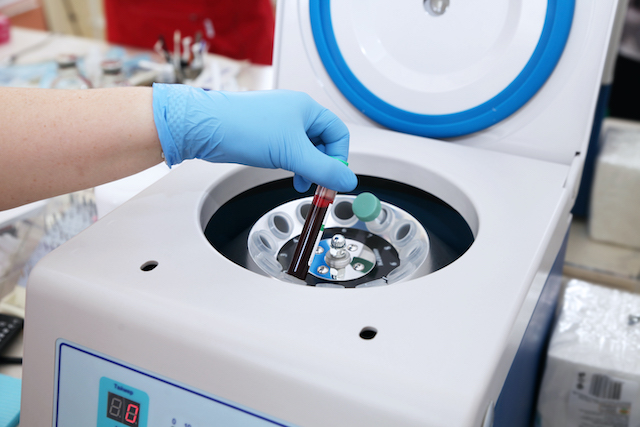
<point x="485" y="271"/>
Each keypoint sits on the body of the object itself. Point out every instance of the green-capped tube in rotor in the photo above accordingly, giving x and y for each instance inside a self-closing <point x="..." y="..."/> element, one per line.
<point x="366" y="207"/>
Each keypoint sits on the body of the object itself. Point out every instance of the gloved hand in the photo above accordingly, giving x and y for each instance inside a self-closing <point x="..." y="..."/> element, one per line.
<point x="269" y="129"/>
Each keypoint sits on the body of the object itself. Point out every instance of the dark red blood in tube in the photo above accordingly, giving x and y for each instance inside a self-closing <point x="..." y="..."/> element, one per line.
<point x="310" y="231"/>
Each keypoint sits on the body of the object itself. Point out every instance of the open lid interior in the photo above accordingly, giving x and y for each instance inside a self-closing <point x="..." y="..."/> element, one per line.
<point x="515" y="76"/>
<point x="421" y="69"/>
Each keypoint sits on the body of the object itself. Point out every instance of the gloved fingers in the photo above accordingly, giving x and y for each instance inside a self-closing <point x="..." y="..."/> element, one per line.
<point x="331" y="132"/>
<point x="320" y="146"/>
<point x="319" y="168"/>
<point x="300" y="183"/>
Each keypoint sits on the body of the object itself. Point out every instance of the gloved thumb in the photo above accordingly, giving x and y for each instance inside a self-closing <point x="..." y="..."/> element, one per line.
<point x="300" y="183"/>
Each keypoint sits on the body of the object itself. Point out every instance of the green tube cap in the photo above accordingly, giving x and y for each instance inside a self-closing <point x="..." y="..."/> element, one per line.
<point x="366" y="207"/>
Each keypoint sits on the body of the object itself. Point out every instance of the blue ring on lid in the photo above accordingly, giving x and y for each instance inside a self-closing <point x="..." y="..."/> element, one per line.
<point x="535" y="73"/>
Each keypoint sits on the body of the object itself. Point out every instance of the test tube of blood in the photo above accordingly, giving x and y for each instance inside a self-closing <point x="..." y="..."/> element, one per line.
<point x="311" y="231"/>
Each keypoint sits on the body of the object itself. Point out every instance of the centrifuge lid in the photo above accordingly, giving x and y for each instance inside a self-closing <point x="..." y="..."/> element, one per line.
<point x="445" y="75"/>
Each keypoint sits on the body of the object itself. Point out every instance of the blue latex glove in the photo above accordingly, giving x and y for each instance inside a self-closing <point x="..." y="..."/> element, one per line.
<point x="268" y="129"/>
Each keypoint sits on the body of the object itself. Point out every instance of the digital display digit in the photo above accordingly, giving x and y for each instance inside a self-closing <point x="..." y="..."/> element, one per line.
<point x="123" y="410"/>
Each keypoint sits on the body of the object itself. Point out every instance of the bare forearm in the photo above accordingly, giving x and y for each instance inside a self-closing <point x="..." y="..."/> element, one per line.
<point x="57" y="141"/>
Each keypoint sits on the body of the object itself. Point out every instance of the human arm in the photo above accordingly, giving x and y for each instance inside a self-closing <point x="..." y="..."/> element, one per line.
<point x="53" y="141"/>
<point x="57" y="141"/>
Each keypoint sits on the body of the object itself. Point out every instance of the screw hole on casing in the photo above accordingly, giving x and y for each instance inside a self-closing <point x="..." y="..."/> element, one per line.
<point x="436" y="7"/>
<point x="368" y="333"/>
<point x="149" y="265"/>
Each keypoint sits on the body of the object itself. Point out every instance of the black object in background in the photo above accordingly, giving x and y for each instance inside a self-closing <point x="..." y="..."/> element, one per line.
<point x="10" y="327"/>
<point x="624" y="102"/>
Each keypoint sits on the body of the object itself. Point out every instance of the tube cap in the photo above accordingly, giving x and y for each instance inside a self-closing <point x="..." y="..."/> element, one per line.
<point x="366" y="207"/>
<point x="343" y="161"/>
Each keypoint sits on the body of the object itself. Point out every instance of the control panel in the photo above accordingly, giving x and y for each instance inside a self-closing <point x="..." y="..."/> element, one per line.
<point x="95" y="389"/>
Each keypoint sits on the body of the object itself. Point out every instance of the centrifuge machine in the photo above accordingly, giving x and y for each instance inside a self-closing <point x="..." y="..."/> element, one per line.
<point x="469" y="123"/>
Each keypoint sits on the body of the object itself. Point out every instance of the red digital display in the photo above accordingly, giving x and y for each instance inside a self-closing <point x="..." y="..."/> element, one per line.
<point x="123" y="410"/>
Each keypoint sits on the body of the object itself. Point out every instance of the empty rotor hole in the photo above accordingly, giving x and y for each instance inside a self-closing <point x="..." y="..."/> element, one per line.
<point x="304" y="210"/>
<point x="383" y="215"/>
<point x="343" y="211"/>
<point x="281" y="224"/>
<point x="368" y="333"/>
<point x="265" y="242"/>
<point x="149" y="265"/>
<point x="403" y="231"/>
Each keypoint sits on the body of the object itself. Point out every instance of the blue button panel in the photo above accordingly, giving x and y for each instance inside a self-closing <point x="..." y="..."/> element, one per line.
<point x="546" y="55"/>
